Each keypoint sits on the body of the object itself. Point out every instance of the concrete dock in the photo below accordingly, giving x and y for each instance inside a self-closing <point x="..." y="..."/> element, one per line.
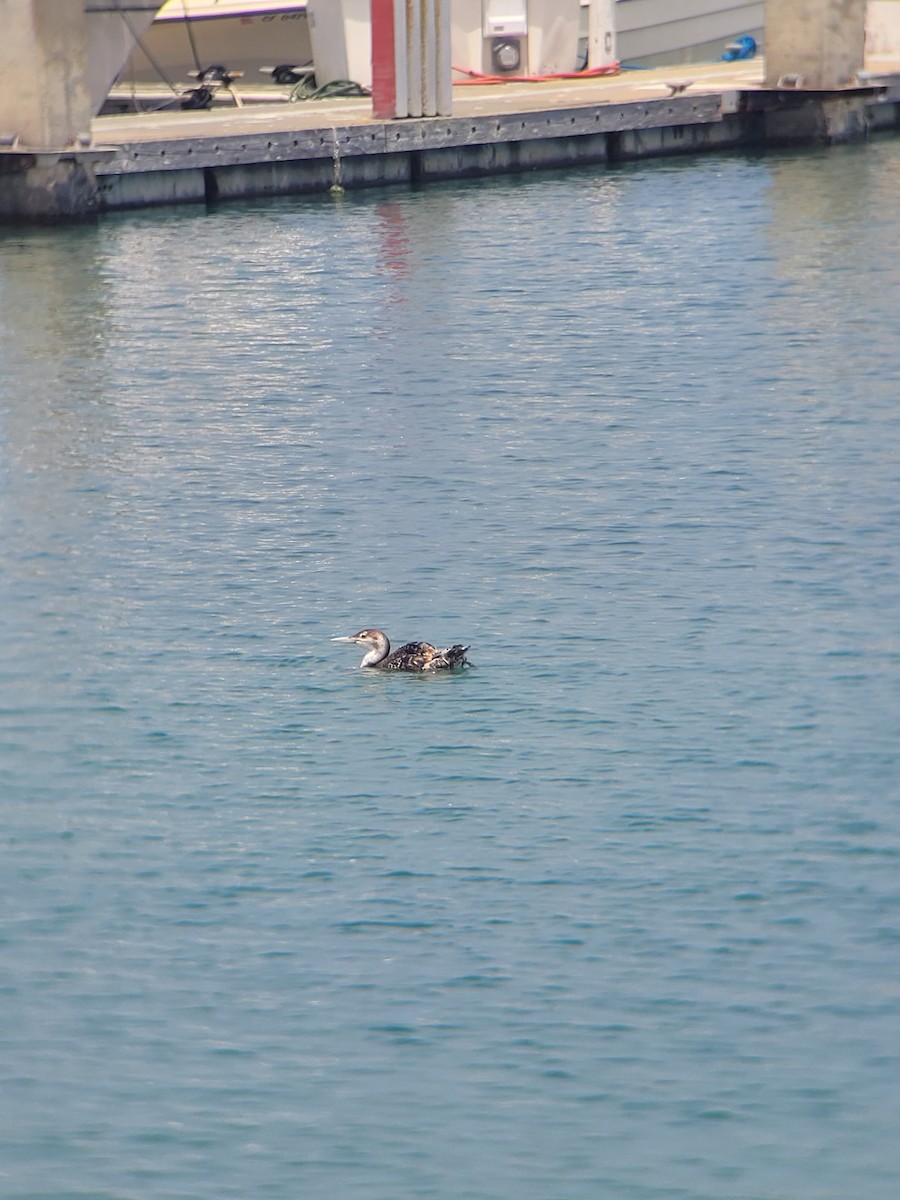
<point x="269" y="149"/>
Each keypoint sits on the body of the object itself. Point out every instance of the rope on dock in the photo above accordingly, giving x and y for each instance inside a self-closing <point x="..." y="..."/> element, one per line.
<point x="476" y="77"/>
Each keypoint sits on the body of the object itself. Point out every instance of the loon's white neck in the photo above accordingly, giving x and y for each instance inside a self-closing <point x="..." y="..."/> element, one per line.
<point x="380" y="649"/>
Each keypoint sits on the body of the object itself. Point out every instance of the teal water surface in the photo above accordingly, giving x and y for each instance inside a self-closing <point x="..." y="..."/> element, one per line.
<point x="613" y="914"/>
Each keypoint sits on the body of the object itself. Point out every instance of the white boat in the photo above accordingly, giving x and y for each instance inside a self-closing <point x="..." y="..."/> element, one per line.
<point x="241" y="35"/>
<point x="254" y="35"/>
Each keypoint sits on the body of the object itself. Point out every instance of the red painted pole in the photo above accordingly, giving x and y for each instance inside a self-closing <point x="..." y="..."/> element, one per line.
<point x="384" y="60"/>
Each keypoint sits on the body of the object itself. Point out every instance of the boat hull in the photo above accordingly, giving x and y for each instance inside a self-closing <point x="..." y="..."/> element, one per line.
<point x="240" y="36"/>
<point x="656" y="33"/>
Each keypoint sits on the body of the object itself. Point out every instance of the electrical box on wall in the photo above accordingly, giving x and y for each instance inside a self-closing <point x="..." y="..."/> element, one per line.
<point x="505" y="18"/>
<point x="516" y="37"/>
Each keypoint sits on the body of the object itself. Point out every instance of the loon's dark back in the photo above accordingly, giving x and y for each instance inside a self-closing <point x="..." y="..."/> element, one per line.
<point x="422" y="656"/>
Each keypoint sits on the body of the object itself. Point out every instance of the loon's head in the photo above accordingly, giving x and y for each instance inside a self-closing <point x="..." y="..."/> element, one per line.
<point x="374" y="640"/>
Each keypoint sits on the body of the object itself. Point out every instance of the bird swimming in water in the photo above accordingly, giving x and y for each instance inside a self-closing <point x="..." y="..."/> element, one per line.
<point x="413" y="656"/>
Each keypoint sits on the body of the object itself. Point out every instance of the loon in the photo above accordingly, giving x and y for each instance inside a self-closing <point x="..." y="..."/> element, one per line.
<point x="413" y="656"/>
